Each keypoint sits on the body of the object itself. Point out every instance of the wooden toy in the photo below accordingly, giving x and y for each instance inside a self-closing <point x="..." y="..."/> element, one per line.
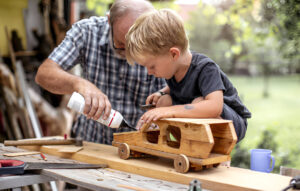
<point x="192" y="143"/>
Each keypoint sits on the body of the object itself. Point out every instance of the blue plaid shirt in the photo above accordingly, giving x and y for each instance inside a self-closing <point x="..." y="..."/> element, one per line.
<point x="89" y="43"/>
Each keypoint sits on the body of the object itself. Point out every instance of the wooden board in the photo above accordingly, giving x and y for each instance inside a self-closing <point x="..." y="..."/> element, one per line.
<point x="93" y="179"/>
<point x="18" y="154"/>
<point x="70" y="149"/>
<point x="21" y="154"/>
<point x="221" y="178"/>
<point x="108" y="179"/>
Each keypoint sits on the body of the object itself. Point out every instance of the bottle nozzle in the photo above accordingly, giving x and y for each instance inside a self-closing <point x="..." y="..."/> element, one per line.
<point x="124" y="124"/>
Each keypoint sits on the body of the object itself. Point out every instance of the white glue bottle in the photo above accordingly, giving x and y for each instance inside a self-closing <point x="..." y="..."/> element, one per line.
<point x="115" y="119"/>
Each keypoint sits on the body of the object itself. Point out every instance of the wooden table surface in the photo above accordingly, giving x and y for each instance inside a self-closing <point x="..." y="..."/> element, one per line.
<point x="94" y="179"/>
<point x="221" y="178"/>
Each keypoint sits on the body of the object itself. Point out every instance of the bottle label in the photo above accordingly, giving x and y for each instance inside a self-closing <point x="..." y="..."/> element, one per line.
<point x="109" y="120"/>
<point x="77" y="103"/>
<point x="112" y="118"/>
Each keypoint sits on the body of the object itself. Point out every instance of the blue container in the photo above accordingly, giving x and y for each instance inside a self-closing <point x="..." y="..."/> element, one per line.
<point x="261" y="160"/>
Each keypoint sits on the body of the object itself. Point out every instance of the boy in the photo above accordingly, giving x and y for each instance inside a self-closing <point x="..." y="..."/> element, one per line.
<point x="197" y="87"/>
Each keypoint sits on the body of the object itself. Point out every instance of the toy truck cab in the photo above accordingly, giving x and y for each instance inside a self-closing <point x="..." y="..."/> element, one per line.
<point x="196" y="143"/>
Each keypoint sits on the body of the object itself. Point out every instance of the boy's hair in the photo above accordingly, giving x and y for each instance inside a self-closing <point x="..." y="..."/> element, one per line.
<point x="155" y="33"/>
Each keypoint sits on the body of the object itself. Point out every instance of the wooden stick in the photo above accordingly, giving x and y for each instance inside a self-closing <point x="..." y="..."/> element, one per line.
<point x="21" y="154"/>
<point x="39" y="142"/>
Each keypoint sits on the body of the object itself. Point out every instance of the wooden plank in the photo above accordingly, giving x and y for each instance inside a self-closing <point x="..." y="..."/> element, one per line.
<point x="32" y="158"/>
<point x="21" y="154"/>
<point x="221" y="178"/>
<point x="94" y="179"/>
<point x="16" y="181"/>
<point x="11" y="50"/>
<point x="70" y="149"/>
<point x="108" y="179"/>
<point x="40" y="142"/>
<point x="26" y="53"/>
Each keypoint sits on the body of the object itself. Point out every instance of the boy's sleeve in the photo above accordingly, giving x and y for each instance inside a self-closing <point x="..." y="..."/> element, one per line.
<point x="69" y="50"/>
<point x="210" y="79"/>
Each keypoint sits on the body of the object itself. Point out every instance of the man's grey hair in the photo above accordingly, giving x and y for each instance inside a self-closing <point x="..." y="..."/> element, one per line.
<point x="124" y="7"/>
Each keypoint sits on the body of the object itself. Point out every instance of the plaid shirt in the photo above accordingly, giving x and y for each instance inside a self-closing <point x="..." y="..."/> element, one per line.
<point x="89" y="43"/>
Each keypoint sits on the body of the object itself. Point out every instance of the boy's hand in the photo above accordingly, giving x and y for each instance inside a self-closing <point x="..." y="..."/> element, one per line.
<point x="140" y="124"/>
<point x="153" y="98"/>
<point x="156" y="114"/>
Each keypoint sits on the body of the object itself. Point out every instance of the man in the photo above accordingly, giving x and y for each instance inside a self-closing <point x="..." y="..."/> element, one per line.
<point x="98" y="44"/>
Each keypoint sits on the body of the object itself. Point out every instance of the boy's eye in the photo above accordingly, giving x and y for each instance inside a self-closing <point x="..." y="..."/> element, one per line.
<point x="152" y="67"/>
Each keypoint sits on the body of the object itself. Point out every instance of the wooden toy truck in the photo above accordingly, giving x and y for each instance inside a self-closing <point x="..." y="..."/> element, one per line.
<point x="191" y="143"/>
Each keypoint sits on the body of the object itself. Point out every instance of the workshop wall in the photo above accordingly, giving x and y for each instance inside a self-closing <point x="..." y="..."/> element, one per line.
<point x="11" y="15"/>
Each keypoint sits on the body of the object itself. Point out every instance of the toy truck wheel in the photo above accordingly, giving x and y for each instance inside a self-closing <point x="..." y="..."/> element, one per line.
<point x="181" y="163"/>
<point x="124" y="151"/>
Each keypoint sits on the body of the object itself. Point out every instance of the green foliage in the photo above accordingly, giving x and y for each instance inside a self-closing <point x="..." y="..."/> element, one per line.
<point x="100" y="7"/>
<point x="240" y="157"/>
<point x="204" y="34"/>
<point x="253" y="32"/>
<point x="267" y="141"/>
<point x="284" y="21"/>
<point x="164" y="4"/>
<point x="275" y="121"/>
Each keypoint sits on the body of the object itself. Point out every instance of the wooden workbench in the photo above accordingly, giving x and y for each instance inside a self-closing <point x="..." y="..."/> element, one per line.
<point x="103" y="179"/>
<point x="221" y="178"/>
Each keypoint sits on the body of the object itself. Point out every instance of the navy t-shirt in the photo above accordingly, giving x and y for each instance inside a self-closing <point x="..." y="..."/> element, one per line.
<point x="202" y="78"/>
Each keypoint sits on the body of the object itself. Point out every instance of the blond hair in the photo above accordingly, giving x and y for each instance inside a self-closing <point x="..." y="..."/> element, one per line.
<point x="155" y="33"/>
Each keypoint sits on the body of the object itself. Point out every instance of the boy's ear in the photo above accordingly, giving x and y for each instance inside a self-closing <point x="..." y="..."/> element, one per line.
<point x="175" y="52"/>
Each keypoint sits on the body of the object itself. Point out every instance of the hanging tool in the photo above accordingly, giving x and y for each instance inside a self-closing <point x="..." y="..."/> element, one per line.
<point x="18" y="167"/>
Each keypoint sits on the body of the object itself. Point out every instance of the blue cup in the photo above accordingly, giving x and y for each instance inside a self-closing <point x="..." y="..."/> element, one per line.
<point x="261" y="160"/>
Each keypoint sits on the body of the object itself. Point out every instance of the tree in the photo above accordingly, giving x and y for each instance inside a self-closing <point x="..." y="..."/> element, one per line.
<point x="283" y="17"/>
<point x="204" y="29"/>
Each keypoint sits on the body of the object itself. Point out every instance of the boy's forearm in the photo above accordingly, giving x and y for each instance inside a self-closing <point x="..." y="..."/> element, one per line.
<point x="210" y="107"/>
<point x="204" y="109"/>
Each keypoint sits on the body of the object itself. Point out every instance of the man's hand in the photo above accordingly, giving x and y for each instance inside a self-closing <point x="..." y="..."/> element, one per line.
<point x="96" y="102"/>
<point x="54" y="79"/>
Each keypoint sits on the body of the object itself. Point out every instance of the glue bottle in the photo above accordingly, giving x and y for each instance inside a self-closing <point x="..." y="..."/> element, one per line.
<point x="115" y="119"/>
